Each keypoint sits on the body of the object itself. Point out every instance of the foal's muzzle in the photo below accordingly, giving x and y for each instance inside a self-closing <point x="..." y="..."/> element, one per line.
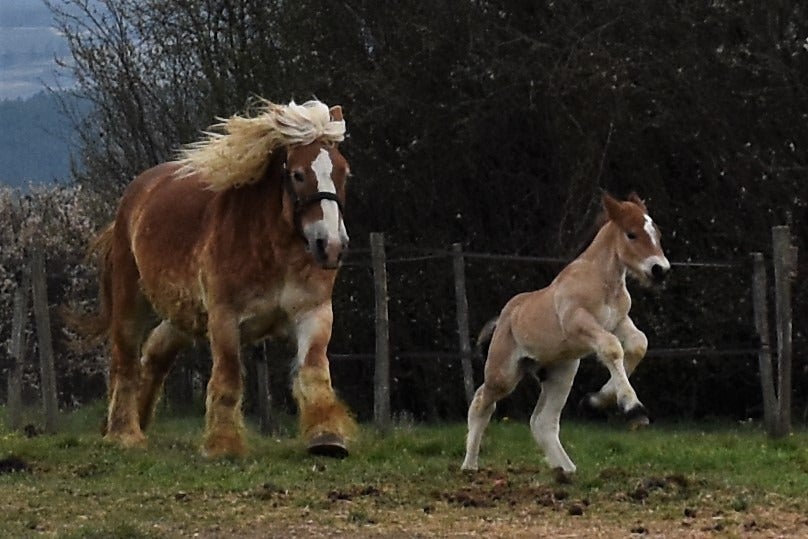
<point x="658" y="273"/>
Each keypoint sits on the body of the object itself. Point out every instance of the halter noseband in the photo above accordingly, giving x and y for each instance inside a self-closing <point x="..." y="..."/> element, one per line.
<point x="300" y="204"/>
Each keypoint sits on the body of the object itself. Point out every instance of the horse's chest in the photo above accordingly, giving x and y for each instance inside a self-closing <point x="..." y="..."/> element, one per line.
<point x="272" y="312"/>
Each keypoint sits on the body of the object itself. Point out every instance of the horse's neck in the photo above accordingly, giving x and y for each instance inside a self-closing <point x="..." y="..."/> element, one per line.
<point x="602" y="255"/>
<point x="257" y="209"/>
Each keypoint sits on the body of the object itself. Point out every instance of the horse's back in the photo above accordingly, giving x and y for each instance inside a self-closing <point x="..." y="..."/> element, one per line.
<point x="534" y="321"/>
<point x="538" y="317"/>
<point x="160" y="225"/>
<point x="162" y="210"/>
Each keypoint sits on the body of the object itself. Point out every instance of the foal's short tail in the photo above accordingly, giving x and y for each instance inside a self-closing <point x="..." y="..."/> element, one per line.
<point x="94" y="326"/>
<point x="484" y="338"/>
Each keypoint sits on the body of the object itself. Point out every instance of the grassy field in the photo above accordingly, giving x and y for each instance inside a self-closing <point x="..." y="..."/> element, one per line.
<point x="667" y="481"/>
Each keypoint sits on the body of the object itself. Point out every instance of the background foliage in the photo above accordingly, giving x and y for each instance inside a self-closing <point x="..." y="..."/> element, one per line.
<point x="495" y="124"/>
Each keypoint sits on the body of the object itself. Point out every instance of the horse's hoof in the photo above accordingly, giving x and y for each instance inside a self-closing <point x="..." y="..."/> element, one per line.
<point x="328" y="445"/>
<point x="637" y="417"/>
<point x="127" y="440"/>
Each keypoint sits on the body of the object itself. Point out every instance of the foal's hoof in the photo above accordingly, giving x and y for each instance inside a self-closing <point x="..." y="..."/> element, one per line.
<point x="562" y="477"/>
<point x="327" y="445"/>
<point x="637" y="417"/>
<point x="588" y="410"/>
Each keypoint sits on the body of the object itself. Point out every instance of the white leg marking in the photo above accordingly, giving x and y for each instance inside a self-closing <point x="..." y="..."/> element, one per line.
<point x="545" y="421"/>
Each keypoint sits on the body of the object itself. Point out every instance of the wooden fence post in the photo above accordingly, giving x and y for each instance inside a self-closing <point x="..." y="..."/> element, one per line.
<point x="42" y="316"/>
<point x="761" y="313"/>
<point x="785" y="256"/>
<point x="17" y="350"/>
<point x="461" y="300"/>
<point x="381" y="378"/>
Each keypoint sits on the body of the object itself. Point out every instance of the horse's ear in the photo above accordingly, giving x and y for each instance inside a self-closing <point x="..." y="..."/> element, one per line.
<point x="336" y="113"/>
<point x="611" y="206"/>
<point x="635" y="198"/>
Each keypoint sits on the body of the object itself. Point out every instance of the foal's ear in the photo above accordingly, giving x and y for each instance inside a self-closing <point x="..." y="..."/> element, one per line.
<point x="336" y="113"/>
<point x="634" y="197"/>
<point x="612" y="206"/>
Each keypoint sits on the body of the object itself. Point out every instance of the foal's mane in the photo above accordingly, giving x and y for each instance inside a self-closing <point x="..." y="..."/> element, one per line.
<point x="236" y="150"/>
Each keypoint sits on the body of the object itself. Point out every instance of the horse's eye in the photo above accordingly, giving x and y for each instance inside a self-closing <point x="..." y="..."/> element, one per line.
<point x="631" y="235"/>
<point x="298" y="176"/>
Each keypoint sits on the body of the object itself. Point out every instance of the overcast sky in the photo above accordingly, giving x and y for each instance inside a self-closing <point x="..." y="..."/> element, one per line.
<point x="28" y="45"/>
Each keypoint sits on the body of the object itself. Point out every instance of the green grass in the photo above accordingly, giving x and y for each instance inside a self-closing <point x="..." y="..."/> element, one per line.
<point x="79" y="486"/>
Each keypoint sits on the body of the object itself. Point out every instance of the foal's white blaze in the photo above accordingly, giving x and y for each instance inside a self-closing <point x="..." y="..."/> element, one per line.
<point x="651" y="230"/>
<point x="656" y="260"/>
<point x="322" y="167"/>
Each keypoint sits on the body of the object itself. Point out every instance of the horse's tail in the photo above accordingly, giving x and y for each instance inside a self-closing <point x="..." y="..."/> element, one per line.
<point x="484" y="338"/>
<point x="95" y="326"/>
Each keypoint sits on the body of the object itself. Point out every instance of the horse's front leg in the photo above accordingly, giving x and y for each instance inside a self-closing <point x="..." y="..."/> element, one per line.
<point x="610" y="352"/>
<point x="325" y="422"/>
<point x="224" y="422"/>
<point x="635" y="345"/>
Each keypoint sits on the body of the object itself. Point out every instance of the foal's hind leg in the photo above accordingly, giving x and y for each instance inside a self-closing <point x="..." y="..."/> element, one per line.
<point x="502" y="373"/>
<point x="159" y="353"/>
<point x="545" y="421"/>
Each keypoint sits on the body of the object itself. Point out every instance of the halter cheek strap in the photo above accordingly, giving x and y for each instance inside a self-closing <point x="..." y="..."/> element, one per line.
<point x="300" y="204"/>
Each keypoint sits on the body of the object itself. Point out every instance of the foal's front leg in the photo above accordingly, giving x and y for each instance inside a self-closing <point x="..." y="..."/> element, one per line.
<point x="224" y="422"/>
<point x="325" y="422"/>
<point x="635" y="345"/>
<point x="610" y="352"/>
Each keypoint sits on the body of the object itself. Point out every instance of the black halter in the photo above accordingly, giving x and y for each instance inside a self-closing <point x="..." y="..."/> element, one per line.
<point x="300" y="204"/>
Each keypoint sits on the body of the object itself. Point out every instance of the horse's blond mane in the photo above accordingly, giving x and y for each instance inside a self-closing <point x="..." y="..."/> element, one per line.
<point x="236" y="150"/>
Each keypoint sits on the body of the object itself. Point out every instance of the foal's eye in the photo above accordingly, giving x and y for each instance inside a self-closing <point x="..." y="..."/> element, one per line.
<point x="631" y="235"/>
<point x="298" y="176"/>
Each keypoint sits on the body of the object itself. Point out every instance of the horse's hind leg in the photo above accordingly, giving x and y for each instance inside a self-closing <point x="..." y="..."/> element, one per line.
<point x="325" y="422"/>
<point x="545" y="421"/>
<point x="502" y="373"/>
<point x="129" y="319"/>
<point x="159" y="352"/>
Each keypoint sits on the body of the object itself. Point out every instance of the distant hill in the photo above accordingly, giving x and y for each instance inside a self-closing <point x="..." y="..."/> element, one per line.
<point x="35" y="140"/>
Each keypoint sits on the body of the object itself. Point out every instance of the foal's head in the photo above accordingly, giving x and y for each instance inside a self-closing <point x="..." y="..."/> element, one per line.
<point x="639" y="244"/>
<point x="315" y="182"/>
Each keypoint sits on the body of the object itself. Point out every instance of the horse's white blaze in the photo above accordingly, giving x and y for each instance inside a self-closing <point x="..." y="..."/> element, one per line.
<point x="322" y="167"/>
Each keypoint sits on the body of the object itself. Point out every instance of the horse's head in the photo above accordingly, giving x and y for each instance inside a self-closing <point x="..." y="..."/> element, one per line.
<point x="639" y="245"/>
<point x="315" y="180"/>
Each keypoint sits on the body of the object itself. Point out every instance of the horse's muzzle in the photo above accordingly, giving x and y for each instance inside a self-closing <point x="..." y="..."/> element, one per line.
<point x="328" y="253"/>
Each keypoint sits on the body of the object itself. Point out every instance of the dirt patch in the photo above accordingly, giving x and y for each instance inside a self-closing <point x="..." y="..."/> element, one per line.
<point x="12" y="464"/>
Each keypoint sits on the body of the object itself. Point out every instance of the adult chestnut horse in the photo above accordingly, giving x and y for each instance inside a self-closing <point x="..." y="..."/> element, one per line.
<point x="237" y="241"/>
<point x="583" y="311"/>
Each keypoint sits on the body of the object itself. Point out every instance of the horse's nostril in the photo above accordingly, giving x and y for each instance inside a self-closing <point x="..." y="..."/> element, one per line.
<point x="320" y="245"/>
